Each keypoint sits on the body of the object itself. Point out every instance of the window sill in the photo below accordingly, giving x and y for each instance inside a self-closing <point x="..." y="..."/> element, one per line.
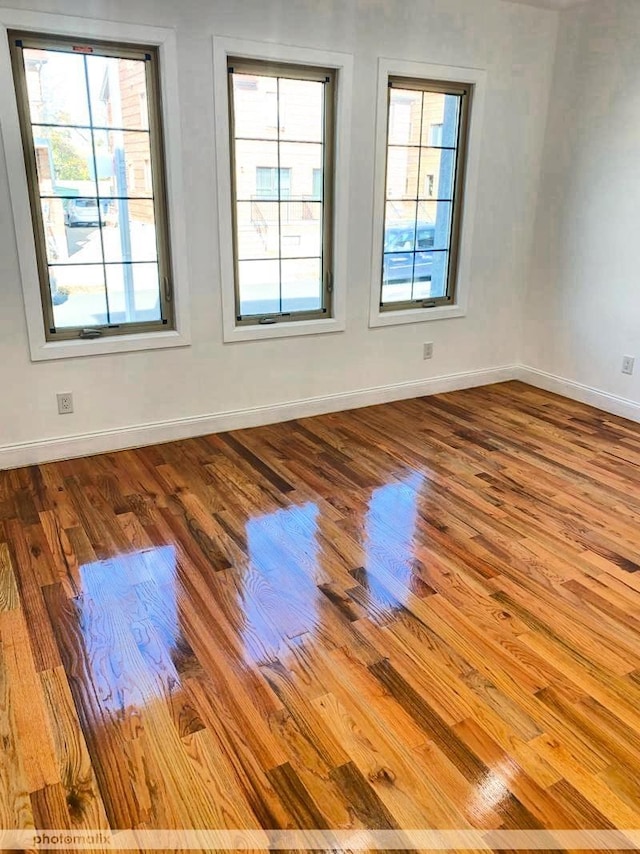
<point x="102" y="346"/>
<point x="415" y="315"/>
<point x="285" y="329"/>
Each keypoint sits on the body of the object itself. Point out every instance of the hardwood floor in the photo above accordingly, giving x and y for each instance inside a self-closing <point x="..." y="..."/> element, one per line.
<point x="424" y="614"/>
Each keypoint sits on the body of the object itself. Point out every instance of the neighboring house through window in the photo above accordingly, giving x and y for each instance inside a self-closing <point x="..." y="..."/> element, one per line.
<point x="282" y="126"/>
<point x="425" y="165"/>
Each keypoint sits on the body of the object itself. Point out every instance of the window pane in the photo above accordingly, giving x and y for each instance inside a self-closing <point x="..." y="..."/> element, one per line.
<point x="301" y="110"/>
<point x="396" y="278"/>
<point x="258" y="230"/>
<point x="434" y="224"/>
<point x="398" y="267"/>
<point x="122" y="160"/>
<point x="405" y="109"/>
<point x="64" y="161"/>
<point x="402" y="173"/>
<point x="118" y="89"/>
<point x="56" y="86"/>
<point x="75" y="244"/>
<point x="255" y="104"/>
<point x="134" y="293"/>
<point x="256" y="170"/>
<point x="302" y="285"/>
<point x="128" y="230"/>
<point x="440" y="119"/>
<point x="400" y="226"/>
<point x="78" y="295"/>
<point x="259" y="286"/>
<point x="437" y="173"/>
<point x="302" y="159"/>
<point x="431" y="275"/>
<point x="301" y="226"/>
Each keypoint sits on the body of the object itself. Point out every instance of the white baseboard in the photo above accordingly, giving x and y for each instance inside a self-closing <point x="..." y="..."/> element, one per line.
<point x="577" y="391"/>
<point x="85" y="444"/>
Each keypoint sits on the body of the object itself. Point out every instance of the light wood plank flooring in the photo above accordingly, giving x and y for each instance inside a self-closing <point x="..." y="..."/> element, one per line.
<point x="424" y="614"/>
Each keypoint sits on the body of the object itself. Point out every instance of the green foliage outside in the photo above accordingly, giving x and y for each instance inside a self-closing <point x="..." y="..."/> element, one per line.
<point x="67" y="163"/>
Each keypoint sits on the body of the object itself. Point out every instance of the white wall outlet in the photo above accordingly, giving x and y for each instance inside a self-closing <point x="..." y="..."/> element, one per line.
<point x="628" y="363"/>
<point x="427" y="351"/>
<point x="65" y="403"/>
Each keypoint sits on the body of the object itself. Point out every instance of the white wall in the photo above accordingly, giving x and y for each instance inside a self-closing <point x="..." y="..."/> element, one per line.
<point x="583" y="303"/>
<point x="514" y="43"/>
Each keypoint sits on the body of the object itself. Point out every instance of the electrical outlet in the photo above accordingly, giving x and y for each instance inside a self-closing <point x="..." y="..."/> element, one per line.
<point x="65" y="403"/>
<point x="628" y="363"/>
<point x="427" y="352"/>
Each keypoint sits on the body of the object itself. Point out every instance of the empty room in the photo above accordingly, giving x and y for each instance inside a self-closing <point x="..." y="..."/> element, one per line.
<point x="320" y="444"/>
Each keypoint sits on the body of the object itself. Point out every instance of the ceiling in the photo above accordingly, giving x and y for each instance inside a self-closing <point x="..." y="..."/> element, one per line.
<point x="551" y="4"/>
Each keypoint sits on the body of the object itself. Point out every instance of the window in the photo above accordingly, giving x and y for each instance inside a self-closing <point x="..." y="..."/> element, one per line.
<point x="281" y="142"/>
<point x="101" y="238"/>
<point x="426" y="140"/>
<point x="435" y="134"/>
<point x="272" y="183"/>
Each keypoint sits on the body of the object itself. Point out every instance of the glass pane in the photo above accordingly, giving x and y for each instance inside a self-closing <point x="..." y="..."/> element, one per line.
<point x="255" y="106"/>
<point x="431" y="270"/>
<point x="440" y="119"/>
<point x="259" y="287"/>
<point x="399" y="226"/>
<point x="64" y="245"/>
<point x="258" y="230"/>
<point x="396" y="285"/>
<point x="301" y="110"/>
<point x="134" y="293"/>
<point x="256" y="170"/>
<point x="397" y="268"/>
<point x="124" y="163"/>
<point x="302" y="284"/>
<point x="78" y="295"/>
<point x="437" y="173"/>
<point x="405" y="108"/>
<point x="64" y="161"/>
<point x="72" y="233"/>
<point x="56" y="87"/>
<point x="129" y="232"/>
<point x="434" y="225"/>
<point x="302" y="159"/>
<point x="301" y="229"/>
<point x="118" y="89"/>
<point x="402" y="173"/>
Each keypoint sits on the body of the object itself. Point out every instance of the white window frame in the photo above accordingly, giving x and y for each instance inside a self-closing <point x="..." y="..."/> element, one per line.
<point x="85" y="28"/>
<point x="424" y="71"/>
<point x="343" y="63"/>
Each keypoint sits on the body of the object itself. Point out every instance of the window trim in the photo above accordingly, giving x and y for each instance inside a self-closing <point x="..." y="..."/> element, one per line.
<point x="418" y="71"/>
<point x="223" y="49"/>
<point x="121" y="34"/>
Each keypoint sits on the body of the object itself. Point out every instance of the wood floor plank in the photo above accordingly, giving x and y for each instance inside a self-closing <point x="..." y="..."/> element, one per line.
<point x="423" y="614"/>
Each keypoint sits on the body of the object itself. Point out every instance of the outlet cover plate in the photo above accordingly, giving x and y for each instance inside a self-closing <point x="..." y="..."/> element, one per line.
<point x="65" y="403"/>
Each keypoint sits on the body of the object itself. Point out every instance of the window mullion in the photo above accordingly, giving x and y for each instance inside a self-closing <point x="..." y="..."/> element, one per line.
<point x="97" y="186"/>
<point x="415" y="229"/>
<point x="279" y="196"/>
